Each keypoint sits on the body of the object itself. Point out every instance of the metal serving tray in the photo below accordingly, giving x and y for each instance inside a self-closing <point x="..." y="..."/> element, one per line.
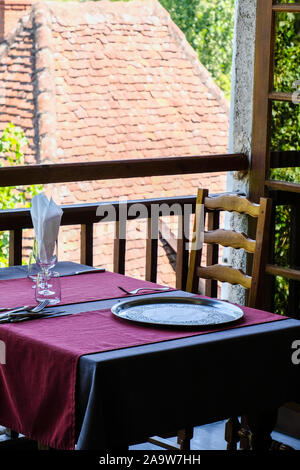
<point x="177" y="311"/>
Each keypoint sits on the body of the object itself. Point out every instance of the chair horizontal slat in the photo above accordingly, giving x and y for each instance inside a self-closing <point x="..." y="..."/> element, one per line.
<point x="231" y="203"/>
<point x="230" y="238"/>
<point x="224" y="274"/>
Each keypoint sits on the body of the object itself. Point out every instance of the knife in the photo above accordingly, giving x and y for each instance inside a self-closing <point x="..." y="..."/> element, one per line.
<point x="77" y="273"/>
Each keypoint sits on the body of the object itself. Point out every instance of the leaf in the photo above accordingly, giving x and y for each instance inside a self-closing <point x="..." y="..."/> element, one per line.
<point x="12" y="142"/>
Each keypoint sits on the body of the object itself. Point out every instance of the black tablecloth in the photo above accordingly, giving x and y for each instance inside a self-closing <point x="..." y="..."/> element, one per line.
<point x="124" y="396"/>
<point x="128" y="395"/>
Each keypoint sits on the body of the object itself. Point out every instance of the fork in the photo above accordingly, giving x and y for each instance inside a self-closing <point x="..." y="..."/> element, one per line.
<point x="151" y="289"/>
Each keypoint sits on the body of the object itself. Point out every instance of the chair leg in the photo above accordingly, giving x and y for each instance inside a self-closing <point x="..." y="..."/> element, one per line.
<point x="261" y="425"/>
<point x="244" y="434"/>
<point x="184" y="437"/>
<point x="232" y="437"/>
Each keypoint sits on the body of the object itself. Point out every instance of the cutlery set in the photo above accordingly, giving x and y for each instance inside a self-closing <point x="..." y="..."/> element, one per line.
<point x="27" y="308"/>
<point x="27" y="313"/>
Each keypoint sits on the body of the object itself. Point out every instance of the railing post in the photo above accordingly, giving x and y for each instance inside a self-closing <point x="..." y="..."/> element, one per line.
<point x="120" y="247"/>
<point x="212" y="254"/>
<point x="15" y="247"/>
<point x="182" y="254"/>
<point x="151" y="249"/>
<point x="86" y="244"/>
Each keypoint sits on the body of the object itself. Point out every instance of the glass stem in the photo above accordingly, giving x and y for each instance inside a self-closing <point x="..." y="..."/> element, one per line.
<point x="46" y="278"/>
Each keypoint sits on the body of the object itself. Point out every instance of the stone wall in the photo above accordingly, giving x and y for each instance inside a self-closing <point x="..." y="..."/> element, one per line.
<point x="240" y="132"/>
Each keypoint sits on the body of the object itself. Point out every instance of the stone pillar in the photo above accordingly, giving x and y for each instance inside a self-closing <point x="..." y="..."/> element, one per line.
<point x="11" y="11"/>
<point x="240" y="131"/>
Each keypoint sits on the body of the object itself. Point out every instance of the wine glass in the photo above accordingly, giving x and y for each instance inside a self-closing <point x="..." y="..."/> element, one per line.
<point x="45" y="290"/>
<point x="45" y="265"/>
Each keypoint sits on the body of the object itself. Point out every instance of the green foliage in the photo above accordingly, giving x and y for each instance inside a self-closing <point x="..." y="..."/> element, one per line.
<point x="208" y="27"/>
<point x="281" y="256"/>
<point x="286" y="116"/>
<point x="285" y="136"/>
<point x="12" y="141"/>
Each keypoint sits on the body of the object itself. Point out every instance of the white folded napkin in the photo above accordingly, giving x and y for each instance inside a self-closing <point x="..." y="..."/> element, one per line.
<point x="46" y="218"/>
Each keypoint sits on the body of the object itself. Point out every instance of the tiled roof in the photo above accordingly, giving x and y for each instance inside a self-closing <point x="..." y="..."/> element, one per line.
<point x="109" y="81"/>
<point x="17" y="82"/>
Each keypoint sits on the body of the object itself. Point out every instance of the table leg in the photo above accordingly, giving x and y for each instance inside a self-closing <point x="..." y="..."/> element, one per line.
<point x="232" y="428"/>
<point x="184" y="437"/>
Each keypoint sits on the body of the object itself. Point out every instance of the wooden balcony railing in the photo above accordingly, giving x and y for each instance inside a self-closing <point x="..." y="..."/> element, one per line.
<point x="85" y="215"/>
<point x="87" y="171"/>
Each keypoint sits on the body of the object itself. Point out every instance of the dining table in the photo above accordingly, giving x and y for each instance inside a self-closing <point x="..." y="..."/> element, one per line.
<point x="85" y="379"/>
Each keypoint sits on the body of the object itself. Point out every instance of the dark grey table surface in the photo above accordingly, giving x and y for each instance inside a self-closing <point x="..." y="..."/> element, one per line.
<point x="124" y="396"/>
<point x="63" y="267"/>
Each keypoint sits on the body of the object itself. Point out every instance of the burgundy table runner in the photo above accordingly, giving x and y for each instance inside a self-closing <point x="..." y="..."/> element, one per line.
<point x="74" y="289"/>
<point x="39" y="378"/>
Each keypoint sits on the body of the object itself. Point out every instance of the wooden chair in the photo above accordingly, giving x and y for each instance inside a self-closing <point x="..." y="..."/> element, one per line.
<point x="215" y="236"/>
<point x="208" y="211"/>
<point x="209" y="208"/>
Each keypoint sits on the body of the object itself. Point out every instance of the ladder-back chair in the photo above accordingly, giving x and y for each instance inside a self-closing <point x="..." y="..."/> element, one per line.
<point x="209" y="208"/>
<point x="208" y="211"/>
<point x="215" y="236"/>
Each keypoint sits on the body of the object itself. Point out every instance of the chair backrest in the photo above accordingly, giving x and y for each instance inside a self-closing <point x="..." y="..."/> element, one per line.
<point x="208" y="210"/>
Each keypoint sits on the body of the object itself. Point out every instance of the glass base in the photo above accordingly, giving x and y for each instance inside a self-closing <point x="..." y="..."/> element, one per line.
<point x="48" y="288"/>
<point x="52" y="300"/>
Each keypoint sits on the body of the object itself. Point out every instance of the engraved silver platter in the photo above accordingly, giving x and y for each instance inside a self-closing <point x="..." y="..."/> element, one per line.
<point x="177" y="311"/>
